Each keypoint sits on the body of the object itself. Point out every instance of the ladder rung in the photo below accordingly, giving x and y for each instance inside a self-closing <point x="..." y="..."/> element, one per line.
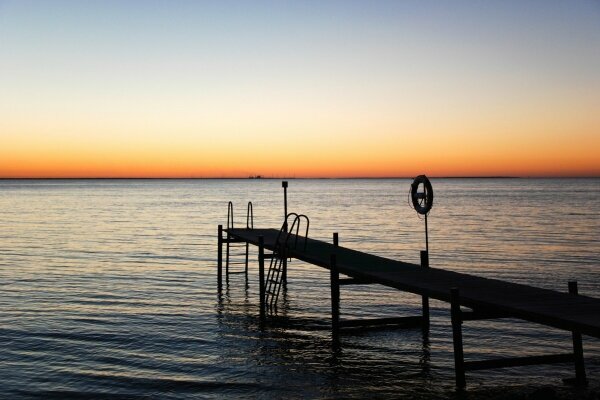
<point x="237" y="272"/>
<point x="236" y="262"/>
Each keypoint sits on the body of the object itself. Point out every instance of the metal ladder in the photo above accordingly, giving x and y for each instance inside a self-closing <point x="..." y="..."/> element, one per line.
<point x="243" y="246"/>
<point x="278" y="264"/>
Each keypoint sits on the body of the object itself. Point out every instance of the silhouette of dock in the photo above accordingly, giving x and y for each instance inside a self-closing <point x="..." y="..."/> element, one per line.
<point x="486" y="298"/>
<point x="547" y="307"/>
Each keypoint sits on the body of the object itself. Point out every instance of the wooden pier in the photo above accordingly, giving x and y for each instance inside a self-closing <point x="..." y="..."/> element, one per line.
<point x="486" y="298"/>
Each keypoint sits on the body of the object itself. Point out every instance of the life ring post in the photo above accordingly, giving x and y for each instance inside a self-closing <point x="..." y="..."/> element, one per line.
<point x="422" y="201"/>
<point x="426" y="236"/>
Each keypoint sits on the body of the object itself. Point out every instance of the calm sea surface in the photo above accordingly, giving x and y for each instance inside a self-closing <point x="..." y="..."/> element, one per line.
<point x="108" y="288"/>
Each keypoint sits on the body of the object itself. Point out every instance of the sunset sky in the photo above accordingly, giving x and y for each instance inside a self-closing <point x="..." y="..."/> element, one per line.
<point x="299" y="89"/>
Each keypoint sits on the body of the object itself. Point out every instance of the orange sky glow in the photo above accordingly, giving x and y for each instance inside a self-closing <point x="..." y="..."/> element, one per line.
<point x="341" y="90"/>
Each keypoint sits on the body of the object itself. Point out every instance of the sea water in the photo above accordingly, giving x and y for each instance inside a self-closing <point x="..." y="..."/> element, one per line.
<point x="108" y="288"/>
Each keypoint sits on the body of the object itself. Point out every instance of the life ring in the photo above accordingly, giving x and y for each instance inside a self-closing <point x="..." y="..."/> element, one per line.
<point x="422" y="202"/>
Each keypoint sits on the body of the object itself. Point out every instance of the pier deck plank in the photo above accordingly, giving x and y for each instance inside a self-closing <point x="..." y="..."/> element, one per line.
<point x="547" y="307"/>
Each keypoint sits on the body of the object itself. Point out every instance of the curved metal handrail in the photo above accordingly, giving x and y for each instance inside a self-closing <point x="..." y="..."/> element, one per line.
<point x="250" y="216"/>
<point x="230" y="215"/>
<point x="295" y="223"/>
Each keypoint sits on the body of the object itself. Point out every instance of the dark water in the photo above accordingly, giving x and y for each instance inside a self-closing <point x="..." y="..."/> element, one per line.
<point x="108" y="288"/>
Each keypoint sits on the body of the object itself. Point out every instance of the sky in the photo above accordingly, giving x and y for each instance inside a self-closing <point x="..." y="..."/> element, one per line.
<point x="299" y="88"/>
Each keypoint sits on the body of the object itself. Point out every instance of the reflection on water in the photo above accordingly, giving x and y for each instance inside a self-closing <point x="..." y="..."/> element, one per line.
<point x="108" y="288"/>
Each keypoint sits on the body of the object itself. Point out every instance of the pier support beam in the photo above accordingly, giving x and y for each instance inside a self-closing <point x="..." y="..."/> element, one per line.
<point x="220" y="259"/>
<point x="261" y="277"/>
<point x="335" y="301"/>
<point x="335" y="295"/>
<point x="580" y="377"/>
<point x="228" y="243"/>
<point x="284" y="265"/>
<point x="397" y="322"/>
<point x="425" y="299"/>
<point x="246" y="264"/>
<point x="461" y="366"/>
<point x="459" y="357"/>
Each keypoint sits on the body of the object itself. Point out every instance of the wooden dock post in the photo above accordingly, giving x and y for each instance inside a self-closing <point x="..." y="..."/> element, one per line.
<point x="335" y="301"/>
<point x="220" y="259"/>
<point x="284" y="263"/>
<point x="246" y="263"/>
<point x="580" y="378"/>
<point x="425" y="299"/>
<point x="261" y="277"/>
<point x="459" y="358"/>
<point x="228" y="241"/>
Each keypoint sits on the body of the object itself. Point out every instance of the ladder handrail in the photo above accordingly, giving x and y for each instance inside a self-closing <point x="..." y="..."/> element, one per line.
<point x="250" y="216"/>
<point x="230" y="215"/>
<point x="249" y="225"/>
<point x="297" y="222"/>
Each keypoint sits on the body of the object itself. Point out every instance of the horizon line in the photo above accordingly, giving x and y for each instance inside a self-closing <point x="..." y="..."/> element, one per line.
<point x="292" y="178"/>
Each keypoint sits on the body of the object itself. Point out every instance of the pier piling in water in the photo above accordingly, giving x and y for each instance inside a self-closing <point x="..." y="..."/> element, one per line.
<point x="220" y="258"/>
<point x="261" y="277"/>
<point x="335" y="300"/>
<point x="580" y="377"/>
<point x="425" y="298"/>
<point x="459" y="358"/>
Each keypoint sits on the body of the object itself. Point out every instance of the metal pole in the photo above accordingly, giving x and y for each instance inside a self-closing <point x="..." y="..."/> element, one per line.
<point x="284" y="185"/>
<point x="577" y="345"/>
<point x="426" y="235"/>
<point x="261" y="276"/>
<point x="459" y="357"/>
<point x="220" y="258"/>
<point x="335" y="300"/>
<point x="336" y="241"/>
<point x="425" y="299"/>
